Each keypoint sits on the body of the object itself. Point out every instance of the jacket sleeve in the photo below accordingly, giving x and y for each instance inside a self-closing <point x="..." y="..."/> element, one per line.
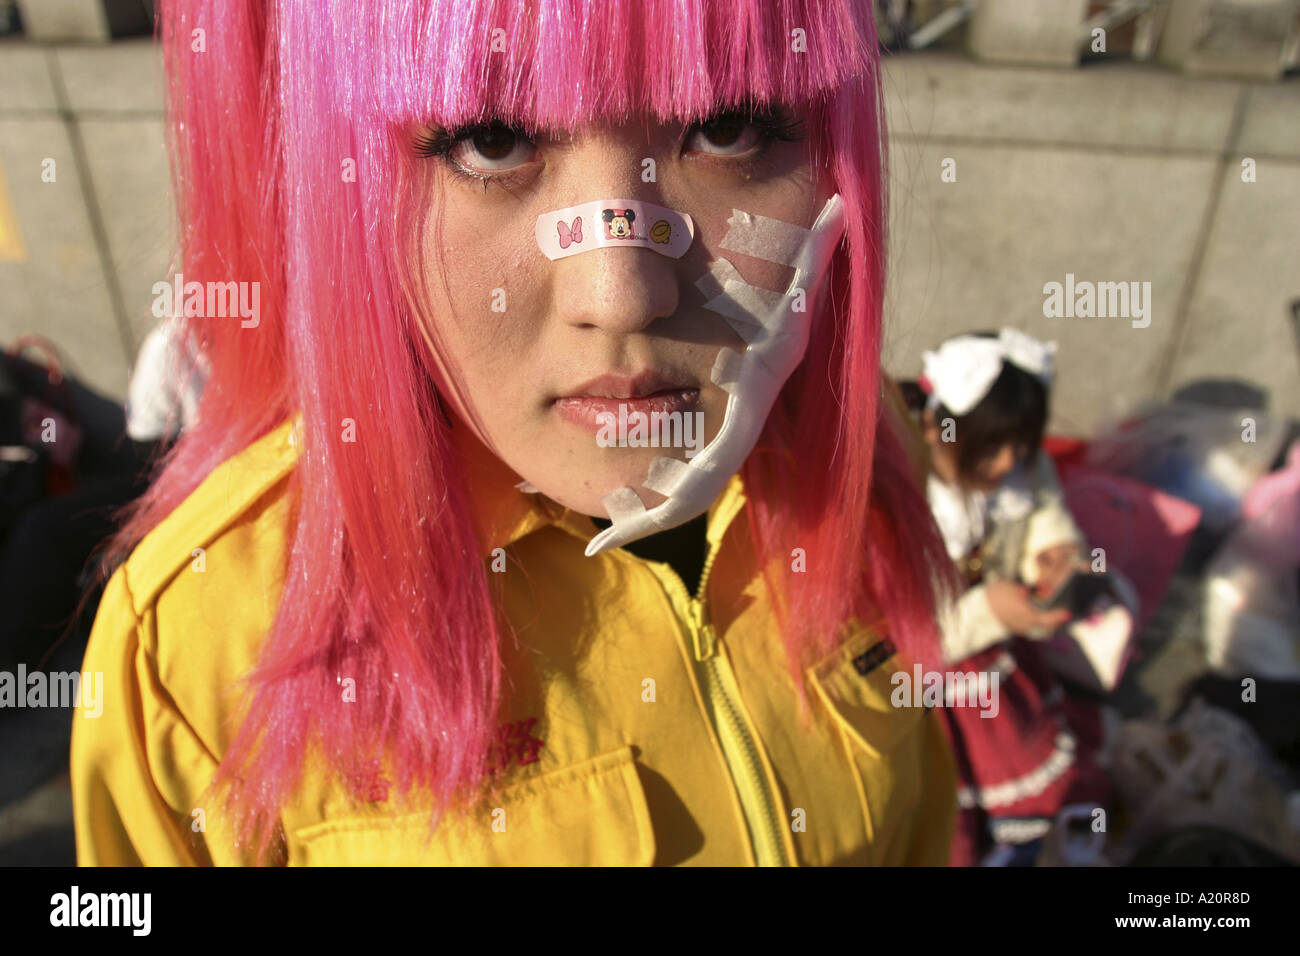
<point x="968" y="626"/>
<point x="936" y="817"/>
<point x="137" y="766"/>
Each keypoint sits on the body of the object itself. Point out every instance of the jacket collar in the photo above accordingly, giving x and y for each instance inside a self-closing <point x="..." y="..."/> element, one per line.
<point x="503" y="514"/>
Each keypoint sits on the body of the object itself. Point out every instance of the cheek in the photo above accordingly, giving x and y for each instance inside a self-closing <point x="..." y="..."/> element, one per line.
<point x="1005" y="463"/>
<point x="487" y="299"/>
<point x="486" y="286"/>
<point x="944" y="455"/>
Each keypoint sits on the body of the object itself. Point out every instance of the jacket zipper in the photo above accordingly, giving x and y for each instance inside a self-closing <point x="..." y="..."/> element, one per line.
<point x="737" y="741"/>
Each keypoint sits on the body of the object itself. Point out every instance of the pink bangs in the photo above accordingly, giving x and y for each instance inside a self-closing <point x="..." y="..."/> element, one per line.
<point x="559" y="63"/>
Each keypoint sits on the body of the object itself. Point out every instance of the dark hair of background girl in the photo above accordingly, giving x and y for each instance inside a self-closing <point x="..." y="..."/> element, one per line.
<point x="1013" y="412"/>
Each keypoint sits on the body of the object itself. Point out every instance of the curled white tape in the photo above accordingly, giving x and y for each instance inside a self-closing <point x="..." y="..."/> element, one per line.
<point x="776" y="337"/>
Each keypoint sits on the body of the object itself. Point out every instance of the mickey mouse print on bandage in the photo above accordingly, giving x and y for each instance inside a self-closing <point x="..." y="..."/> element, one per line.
<point x="625" y="223"/>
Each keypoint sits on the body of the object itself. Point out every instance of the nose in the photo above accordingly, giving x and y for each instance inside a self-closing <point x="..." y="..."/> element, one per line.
<point x="617" y="290"/>
<point x="1002" y="463"/>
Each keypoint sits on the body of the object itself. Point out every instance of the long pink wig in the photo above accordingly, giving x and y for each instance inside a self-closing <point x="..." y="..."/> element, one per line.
<point x="385" y="580"/>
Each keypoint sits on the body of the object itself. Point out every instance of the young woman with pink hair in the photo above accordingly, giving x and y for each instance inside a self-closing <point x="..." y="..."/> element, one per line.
<point x="392" y="599"/>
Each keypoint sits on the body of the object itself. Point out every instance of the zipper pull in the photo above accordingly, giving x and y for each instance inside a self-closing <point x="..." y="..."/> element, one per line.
<point x="702" y="634"/>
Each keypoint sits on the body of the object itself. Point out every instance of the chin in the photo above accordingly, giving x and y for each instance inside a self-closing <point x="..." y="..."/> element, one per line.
<point x="584" y="496"/>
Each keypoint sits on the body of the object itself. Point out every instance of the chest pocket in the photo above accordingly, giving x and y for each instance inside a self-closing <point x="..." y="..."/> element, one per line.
<point x="592" y="813"/>
<point x="882" y="742"/>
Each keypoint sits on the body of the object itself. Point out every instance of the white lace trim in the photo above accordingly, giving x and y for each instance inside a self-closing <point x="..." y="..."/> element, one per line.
<point x="1021" y="788"/>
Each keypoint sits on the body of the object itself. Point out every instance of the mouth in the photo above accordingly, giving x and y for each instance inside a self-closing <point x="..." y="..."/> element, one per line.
<point x="647" y="393"/>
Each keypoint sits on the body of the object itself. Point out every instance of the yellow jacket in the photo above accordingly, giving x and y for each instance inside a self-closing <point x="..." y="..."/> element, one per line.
<point x="641" y="726"/>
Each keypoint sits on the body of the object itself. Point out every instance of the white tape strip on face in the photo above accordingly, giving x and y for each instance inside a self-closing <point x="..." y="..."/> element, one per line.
<point x="624" y="223"/>
<point x="775" y="328"/>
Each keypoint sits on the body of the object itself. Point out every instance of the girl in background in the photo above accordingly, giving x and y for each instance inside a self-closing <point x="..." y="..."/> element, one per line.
<point x="982" y="407"/>
<point x="371" y="612"/>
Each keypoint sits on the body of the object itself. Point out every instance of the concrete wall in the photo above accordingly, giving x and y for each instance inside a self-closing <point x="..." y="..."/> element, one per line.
<point x="1112" y="173"/>
<point x="99" y="235"/>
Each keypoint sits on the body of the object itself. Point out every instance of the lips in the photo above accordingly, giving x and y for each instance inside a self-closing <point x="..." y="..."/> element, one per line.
<point x="646" y="393"/>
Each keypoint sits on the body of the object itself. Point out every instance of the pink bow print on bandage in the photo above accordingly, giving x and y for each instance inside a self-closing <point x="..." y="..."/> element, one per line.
<point x="569" y="236"/>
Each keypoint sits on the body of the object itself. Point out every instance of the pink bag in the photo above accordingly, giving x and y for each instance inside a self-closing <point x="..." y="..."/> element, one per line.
<point x="1143" y="532"/>
<point x="1252" y="602"/>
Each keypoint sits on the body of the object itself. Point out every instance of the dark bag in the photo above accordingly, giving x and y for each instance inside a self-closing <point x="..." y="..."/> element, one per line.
<point x="40" y="434"/>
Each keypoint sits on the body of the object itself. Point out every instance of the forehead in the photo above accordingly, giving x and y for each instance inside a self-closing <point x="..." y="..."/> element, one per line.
<point x="563" y="63"/>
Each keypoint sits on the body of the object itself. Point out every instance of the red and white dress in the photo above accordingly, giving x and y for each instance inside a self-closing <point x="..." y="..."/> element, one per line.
<point x="1021" y="762"/>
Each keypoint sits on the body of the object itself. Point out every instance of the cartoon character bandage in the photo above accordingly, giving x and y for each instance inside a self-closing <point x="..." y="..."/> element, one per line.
<point x="774" y="325"/>
<point x="624" y="223"/>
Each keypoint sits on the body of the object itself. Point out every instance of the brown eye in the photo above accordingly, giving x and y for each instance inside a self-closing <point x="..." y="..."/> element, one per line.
<point x="493" y="148"/>
<point x="723" y="132"/>
<point x="726" y="135"/>
<point x="495" y="143"/>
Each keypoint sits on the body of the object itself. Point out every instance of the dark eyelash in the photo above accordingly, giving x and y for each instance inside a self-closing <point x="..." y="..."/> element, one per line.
<point x="439" y="142"/>
<point x="433" y="144"/>
<point x="775" y="122"/>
